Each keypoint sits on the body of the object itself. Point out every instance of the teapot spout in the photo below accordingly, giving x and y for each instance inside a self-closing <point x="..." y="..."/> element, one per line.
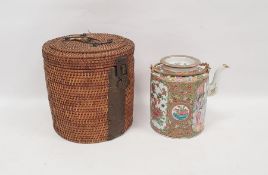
<point x="212" y="88"/>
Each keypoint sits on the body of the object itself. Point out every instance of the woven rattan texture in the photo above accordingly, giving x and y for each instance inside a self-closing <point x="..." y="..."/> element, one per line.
<point x="78" y="83"/>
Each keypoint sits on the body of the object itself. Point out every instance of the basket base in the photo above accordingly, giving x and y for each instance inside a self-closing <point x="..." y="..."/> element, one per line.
<point x="84" y="141"/>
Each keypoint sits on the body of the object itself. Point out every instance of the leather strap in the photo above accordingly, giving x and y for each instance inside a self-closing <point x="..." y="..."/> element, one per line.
<point x="118" y="82"/>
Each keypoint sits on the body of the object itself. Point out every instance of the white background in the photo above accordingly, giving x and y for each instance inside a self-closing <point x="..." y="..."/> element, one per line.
<point x="234" y="32"/>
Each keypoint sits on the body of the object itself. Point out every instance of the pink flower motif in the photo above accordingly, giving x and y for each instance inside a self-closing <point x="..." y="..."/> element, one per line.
<point x="200" y="89"/>
<point x="156" y="112"/>
<point x="198" y="117"/>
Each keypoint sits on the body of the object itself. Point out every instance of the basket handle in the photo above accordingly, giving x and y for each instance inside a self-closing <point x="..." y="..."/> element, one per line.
<point x="86" y="39"/>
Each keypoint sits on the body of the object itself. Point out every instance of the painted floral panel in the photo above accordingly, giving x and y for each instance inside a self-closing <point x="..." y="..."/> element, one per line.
<point x="199" y="109"/>
<point x="159" y="96"/>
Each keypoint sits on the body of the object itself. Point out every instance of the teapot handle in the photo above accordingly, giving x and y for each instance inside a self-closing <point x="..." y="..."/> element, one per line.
<point x="212" y="88"/>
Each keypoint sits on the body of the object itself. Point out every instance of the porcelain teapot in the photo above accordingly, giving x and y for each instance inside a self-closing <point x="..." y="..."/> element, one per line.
<point x="179" y="89"/>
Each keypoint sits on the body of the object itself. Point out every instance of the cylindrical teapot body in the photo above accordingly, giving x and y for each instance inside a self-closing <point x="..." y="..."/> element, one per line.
<point x="178" y="103"/>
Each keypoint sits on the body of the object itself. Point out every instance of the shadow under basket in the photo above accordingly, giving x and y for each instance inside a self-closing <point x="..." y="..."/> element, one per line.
<point x="90" y="83"/>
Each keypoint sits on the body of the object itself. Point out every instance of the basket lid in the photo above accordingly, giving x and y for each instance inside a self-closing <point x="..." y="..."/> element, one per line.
<point x="181" y="65"/>
<point x="86" y="51"/>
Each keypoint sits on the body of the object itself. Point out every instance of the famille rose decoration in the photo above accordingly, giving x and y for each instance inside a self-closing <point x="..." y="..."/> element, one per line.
<point x="179" y="89"/>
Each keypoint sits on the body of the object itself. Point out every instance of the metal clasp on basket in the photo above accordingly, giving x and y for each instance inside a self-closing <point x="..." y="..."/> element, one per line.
<point x="86" y="39"/>
<point x="122" y="72"/>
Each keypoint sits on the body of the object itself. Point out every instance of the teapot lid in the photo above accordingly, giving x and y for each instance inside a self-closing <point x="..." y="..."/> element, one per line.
<point x="180" y="61"/>
<point x="181" y="65"/>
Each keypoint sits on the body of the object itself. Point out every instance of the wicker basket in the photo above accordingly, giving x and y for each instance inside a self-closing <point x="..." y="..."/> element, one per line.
<point x="90" y="83"/>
